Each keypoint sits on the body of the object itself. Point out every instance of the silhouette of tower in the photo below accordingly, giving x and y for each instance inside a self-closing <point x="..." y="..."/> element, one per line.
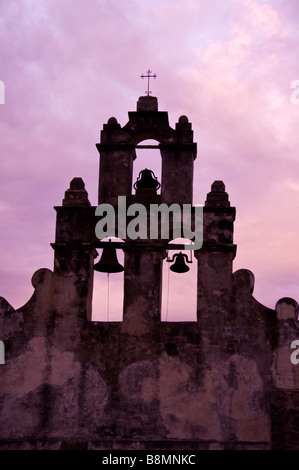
<point x="224" y="381"/>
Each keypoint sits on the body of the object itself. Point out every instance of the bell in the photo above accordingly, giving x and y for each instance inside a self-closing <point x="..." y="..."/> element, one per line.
<point x="179" y="265"/>
<point x="146" y="182"/>
<point x="108" y="262"/>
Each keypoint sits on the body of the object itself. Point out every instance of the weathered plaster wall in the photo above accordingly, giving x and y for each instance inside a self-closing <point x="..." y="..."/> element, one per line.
<point x="223" y="382"/>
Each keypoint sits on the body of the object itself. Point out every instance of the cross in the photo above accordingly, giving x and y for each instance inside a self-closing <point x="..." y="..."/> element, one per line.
<point x="148" y="76"/>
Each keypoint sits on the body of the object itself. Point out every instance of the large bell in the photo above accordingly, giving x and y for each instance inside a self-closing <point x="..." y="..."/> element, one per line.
<point x="146" y="182"/>
<point x="108" y="262"/>
<point x="179" y="266"/>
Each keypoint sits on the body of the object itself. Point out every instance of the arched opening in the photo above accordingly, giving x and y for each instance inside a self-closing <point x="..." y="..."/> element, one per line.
<point x="108" y="290"/>
<point x="179" y="290"/>
<point x="149" y="158"/>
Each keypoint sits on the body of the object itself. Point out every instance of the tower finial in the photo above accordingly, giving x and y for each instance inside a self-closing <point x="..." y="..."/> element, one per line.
<point x="148" y="76"/>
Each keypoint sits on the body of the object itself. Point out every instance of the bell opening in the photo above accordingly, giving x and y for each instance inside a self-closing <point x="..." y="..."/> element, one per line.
<point x="179" y="285"/>
<point x="108" y="283"/>
<point x="147" y="158"/>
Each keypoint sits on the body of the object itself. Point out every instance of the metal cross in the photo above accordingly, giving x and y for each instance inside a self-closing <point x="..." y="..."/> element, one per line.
<point x="148" y="76"/>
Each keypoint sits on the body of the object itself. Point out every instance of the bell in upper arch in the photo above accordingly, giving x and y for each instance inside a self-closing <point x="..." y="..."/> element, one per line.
<point x="108" y="262"/>
<point x="146" y="182"/>
<point x="179" y="266"/>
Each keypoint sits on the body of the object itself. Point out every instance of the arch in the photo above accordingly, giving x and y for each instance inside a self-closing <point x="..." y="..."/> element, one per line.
<point x="108" y="290"/>
<point x="146" y="134"/>
<point x="147" y="158"/>
<point x="179" y="291"/>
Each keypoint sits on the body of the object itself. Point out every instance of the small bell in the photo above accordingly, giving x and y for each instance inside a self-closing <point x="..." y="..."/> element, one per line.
<point x="146" y="182"/>
<point x="179" y="265"/>
<point x="108" y="262"/>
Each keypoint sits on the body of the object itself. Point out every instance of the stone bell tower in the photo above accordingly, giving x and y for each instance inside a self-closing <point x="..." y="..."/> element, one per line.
<point x="117" y="153"/>
<point x="144" y="258"/>
<point x="223" y="381"/>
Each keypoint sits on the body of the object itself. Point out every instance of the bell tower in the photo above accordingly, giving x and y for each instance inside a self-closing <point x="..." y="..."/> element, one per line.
<point x="118" y="151"/>
<point x="222" y="381"/>
<point x="144" y="256"/>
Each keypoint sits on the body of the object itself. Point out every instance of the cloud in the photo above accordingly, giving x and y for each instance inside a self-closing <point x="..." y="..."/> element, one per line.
<point x="68" y="67"/>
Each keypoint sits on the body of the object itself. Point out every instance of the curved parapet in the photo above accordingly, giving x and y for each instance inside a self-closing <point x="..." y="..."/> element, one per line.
<point x="31" y="317"/>
<point x="5" y="307"/>
<point x="244" y="280"/>
<point x="41" y="281"/>
<point x="243" y="287"/>
<point x="11" y="321"/>
<point x="285" y="375"/>
<point x="285" y="370"/>
<point x="287" y="308"/>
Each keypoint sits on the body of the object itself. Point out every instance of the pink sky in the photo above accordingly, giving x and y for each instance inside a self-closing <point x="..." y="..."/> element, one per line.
<point x="69" y="65"/>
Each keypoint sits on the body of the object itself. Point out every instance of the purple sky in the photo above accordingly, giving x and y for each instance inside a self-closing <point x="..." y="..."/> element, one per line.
<point x="69" y="65"/>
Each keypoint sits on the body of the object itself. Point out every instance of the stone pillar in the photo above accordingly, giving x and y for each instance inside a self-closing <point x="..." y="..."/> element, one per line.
<point x="215" y="258"/>
<point x="74" y="252"/>
<point x="214" y="294"/>
<point x="142" y="296"/>
<point x="177" y="165"/>
<point x="116" y="163"/>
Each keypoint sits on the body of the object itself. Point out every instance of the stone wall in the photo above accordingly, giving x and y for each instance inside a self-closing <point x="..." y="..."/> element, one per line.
<point x="224" y="381"/>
